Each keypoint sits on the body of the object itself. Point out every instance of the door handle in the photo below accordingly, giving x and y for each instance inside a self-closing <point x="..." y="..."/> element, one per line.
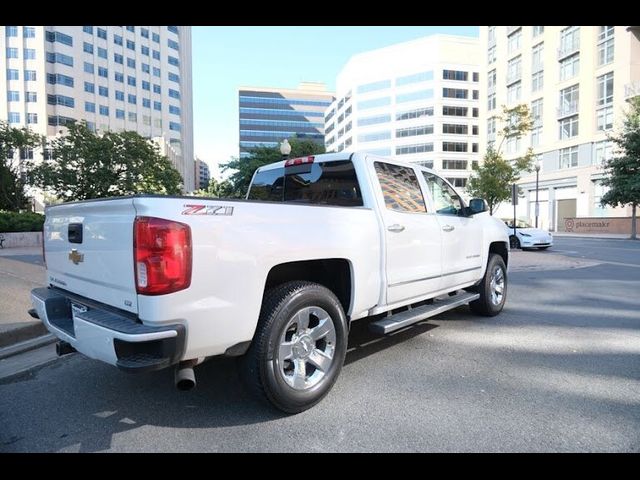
<point x="448" y="228"/>
<point x="395" y="228"/>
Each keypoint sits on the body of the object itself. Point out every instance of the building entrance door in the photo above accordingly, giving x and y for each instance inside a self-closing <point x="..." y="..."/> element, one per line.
<point x="565" y="209"/>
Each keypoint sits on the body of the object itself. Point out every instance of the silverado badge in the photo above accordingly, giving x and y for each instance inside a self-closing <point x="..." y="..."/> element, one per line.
<point x="76" y="257"/>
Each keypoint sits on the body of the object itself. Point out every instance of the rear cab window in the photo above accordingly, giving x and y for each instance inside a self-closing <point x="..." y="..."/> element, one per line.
<point x="324" y="183"/>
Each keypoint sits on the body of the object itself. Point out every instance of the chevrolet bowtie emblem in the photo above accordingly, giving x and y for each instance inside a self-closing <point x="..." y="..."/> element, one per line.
<point x="76" y="257"/>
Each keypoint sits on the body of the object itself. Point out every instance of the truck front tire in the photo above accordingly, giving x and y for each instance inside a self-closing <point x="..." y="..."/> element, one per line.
<point x="492" y="288"/>
<point x="298" y="348"/>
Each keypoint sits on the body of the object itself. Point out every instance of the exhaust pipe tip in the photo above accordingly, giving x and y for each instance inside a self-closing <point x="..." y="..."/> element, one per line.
<point x="64" y="348"/>
<point x="185" y="378"/>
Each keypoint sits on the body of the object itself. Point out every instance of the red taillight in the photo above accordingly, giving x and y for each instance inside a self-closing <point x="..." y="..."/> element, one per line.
<point x="298" y="161"/>
<point x="162" y="255"/>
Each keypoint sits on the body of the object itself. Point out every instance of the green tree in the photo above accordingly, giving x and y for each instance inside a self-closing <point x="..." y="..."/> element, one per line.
<point x="244" y="168"/>
<point x="84" y="165"/>
<point x="14" y="170"/>
<point x="216" y="189"/>
<point x="623" y="170"/>
<point x="493" y="179"/>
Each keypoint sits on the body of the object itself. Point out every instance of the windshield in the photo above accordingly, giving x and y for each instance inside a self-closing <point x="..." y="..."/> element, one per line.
<point x="519" y="223"/>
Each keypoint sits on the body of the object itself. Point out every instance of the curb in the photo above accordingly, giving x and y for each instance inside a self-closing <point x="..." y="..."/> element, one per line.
<point x="31" y="344"/>
<point x="22" y="333"/>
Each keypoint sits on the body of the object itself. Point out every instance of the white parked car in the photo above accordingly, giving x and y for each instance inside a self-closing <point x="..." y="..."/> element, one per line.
<point x="148" y="282"/>
<point x="527" y="236"/>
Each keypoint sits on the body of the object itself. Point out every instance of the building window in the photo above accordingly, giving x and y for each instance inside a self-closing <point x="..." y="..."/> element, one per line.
<point x="491" y="54"/>
<point x="103" y="72"/>
<point x="491" y="101"/>
<point x="60" y="100"/>
<point x="417" y="148"/>
<point x="455" y="75"/>
<point x="174" y="61"/>
<point x="513" y="145"/>
<point x="514" y="41"/>
<point x="89" y="87"/>
<point x="32" y="118"/>
<point x="146" y="120"/>
<point x="569" y="100"/>
<point x="130" y="28"/>
<point x="604" y="118"/>
<point x="568" y="127"/>
<point x="605" y="45"/>
<point x="570" y="67"/>
<point x="374" y="136"/>
<point x="537" y="81"/>
<point x="13" y="74"/>
<point x="569" y="40"/>
<point x="102" y="52"/>
<point x="60" y="38"/>
<point x="173" y="29"/>
<point x="131" y="45"/>
<point x="455" y="129"/>
<point x="605" y="89"/>
<point x="157" y="106"/>
<point x="414" y="131"/>
<point x="156" y="72"/>
<point x="172" y="93"/>
<point x="13" y="96"/>
<point x="568" y="157"/>
<point x="118" y="58"/>
<point x="155" y="37"/>
<point x="454" y="164"/>
<point x="158" y="89"/>
<point x="176" y="111"/>
<point x="476" y="76"/>
<point x="133" y="117"/>
<point x="146" y="68"/>
<point x="536" y="117"/>
<point x="146" y="103"/>
<point x="174" y="126"/>
<point x="14" y="117"/>
<point x="491" y="129"/>
<point x="174" y="77"/>
<point x="30" y="75"/>
<point x="102" y="33"/>
<point x="119" y="114"/>
<point x="157" y="122"/>
<point x="455" y="147"/>
<point x="537" y="31"/>
<point x="88" y="29"/>
<point x="119" y="77"/>
<point x="117" y="39"/>
<point x="402" y="115"/>
<point x="491" y="31"/>
<point x="144" y="32"/>
<point x="131" y="98"/>
<point x="28" y="32"/>
<point x="90" y="107"/>
<point x="59" y="79"/>
<point x="514" y="91"/>
<point x="104" y="110"/>
<point x="457" y="182"/>
<point x="32" y="97"/>
<point x="155" y="54"/>
<point x="514" y="69"/>
<point x="491" y="80"/>
<point x="131" y="63"/>
<point x="12" y="52"/>
<point x="144" y="50"/>
<point x="29" y="53"/>
<point x="103" y="91"/>
<point x="11" y="31"/>
<point x="88" y="67"/>
<point x="455" y="93"/>
<point x="120" y="95"/>
<point x="87" y="47"/>
<point x="173" y="44"/>
<point x="146" y="85"/>
<point x="131" y="80"/>
<point x="60" y="58"/>
<point x="603" y="152"/>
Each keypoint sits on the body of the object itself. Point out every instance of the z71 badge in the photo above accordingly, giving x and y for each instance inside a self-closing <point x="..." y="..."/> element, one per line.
<point x="207" y="210"/>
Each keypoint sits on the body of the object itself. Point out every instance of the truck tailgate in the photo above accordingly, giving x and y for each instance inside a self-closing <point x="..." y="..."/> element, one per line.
<point x="89" y="250"/>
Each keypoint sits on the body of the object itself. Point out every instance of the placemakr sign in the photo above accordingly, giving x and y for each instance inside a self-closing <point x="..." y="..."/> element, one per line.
<point x="598" y="225"/>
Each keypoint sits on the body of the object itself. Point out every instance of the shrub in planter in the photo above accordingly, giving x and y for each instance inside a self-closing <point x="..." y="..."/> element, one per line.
<point x="21" y="222"/>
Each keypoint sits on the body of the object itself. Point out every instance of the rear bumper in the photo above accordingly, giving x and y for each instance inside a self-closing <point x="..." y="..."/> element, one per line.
<point x="105" y="335"/>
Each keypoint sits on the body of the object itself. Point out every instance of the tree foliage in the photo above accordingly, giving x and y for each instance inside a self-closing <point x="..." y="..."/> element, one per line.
<point x="13" y="170"/>
<point x="85" y="165"/>
<point x="623" y="170"/>
<point x="244" y="168"/>
<point x="493" y="179"/>
<point x="216" y="189"/>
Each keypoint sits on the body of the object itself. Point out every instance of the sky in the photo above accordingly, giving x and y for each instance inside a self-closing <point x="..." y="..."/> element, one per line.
<point x="225" y="58"/>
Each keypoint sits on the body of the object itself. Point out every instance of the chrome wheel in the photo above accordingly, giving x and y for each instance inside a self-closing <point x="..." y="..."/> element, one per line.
<point x="497" y="285"/>
<point x="306" y="348"/>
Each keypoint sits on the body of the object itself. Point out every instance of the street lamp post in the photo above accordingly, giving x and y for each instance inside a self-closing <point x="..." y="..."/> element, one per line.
<point x="537" y="204"/>
<point x="285" y="149"/>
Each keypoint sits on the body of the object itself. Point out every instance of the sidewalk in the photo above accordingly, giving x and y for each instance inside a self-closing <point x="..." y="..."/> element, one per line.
<point x="620" y="236"/>
<point x="21" y="269"/>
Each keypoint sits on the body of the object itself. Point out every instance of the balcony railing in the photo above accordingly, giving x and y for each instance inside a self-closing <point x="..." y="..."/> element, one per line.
<point x="568" y="50"/>
<point x="568" y="109"/>
<point x="632" y="90"/>
<point x="510" y="30"/>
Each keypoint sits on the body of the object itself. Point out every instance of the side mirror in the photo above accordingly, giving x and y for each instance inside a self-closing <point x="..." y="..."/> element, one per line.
<point x="477" y="205"/>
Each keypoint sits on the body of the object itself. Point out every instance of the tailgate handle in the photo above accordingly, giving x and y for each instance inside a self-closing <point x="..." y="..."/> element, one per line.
<point x="75" y="233"/>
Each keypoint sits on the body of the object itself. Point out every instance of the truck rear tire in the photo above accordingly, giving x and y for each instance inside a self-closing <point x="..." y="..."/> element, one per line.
<point x="298" y="348"/>
<point x="492" y="288"/>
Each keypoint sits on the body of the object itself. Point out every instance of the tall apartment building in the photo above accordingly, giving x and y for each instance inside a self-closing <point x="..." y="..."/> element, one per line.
<point x="114" y="77"/>
<point x="575" y="80"/>
<point x="202" y="174"/>
<point x="269" y="115"/>
<point x="416" y="101"/>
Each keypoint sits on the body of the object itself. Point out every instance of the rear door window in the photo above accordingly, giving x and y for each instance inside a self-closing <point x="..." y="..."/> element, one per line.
<point x="400" y="188"/>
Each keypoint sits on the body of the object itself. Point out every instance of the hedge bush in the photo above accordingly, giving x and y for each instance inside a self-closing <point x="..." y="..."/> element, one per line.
<point x="21" y="222"/>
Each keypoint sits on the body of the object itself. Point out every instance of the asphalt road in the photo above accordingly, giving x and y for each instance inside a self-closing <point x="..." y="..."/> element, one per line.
<point x="558" y="370"/>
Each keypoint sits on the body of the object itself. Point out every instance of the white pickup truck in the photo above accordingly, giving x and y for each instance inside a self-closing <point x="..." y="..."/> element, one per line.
<point x="147" y="282"/>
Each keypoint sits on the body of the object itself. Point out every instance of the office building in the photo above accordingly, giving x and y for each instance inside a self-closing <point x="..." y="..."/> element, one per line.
<point x="269" y="115"/>
<point x="202" y="174"/>
<point x="114" y="77"/>
<point x="576" y="80"/>
<point x="416" y="101"/>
